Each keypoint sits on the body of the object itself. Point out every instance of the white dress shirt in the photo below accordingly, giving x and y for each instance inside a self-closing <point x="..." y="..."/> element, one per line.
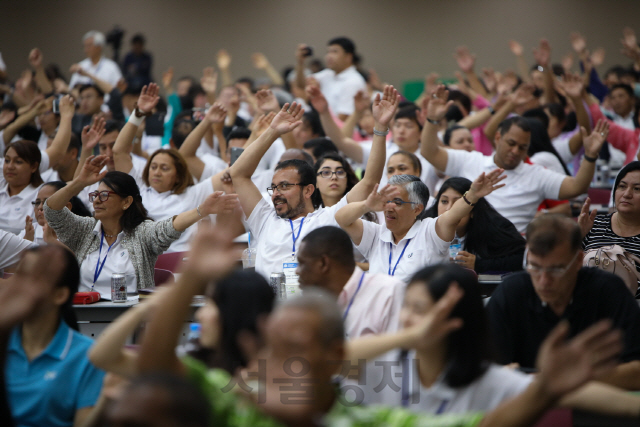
<point x="339" y="89"/>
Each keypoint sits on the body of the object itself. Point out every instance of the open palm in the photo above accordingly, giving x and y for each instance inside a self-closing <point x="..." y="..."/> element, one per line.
<point x="384" y="108"/>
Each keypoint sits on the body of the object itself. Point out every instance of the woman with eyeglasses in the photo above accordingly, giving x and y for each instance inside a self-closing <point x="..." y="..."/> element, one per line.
<point x="120" y="238"/>
<point x="34" y="231"/>
<point x="490" y="241"/>
<point x="408" y="240"/>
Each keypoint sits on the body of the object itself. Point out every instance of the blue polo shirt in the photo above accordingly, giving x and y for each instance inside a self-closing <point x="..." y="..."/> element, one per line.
<point x="48" y="390"/>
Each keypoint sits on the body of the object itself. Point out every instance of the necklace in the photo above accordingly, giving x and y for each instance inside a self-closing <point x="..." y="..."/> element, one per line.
<point x="108" y="235"/>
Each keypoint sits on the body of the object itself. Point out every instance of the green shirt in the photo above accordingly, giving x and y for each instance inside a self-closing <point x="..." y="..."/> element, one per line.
<point x="231" y="409"/>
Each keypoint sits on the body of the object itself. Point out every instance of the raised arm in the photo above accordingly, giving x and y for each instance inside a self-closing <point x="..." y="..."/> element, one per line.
<point x="384" y="108"/>
<point x="484" y="185"/>
<point x="579" y="184"/>
<point x="361" y="102"/>
<point x="215" y="114"/>
<point x="224" y="62"/>
<point x="573" y="87"/>
<point x="40" y="77"/>
<point x="542" y="54"/>
<point x="348" y="217"/>
<point x="103" y="85"/>
<point x="431" y="148"/>
<point x="90" y="137"/>
<point x="299" y="67"/>
<point x="216" y="203"/>
<point x="24" y="119"/>
<point x="285" y="121"/>
<point x="348" y="146"/>
<point x="122" y="148"/>
<point x="60" y="143"/>
<point x="521" y="63"/>
<point x="89" y="175"/>
<point x="521" y="96"/>
<point x="212" y="256"/>
<point x="466" y="61"/>
<point x="261" y="62"/>
<point x="209" y="83"/>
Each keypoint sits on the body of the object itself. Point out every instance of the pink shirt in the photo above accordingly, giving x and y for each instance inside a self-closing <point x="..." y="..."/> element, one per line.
<point x="375" y="307"/>
<point x="482" y="143"/>
<point x="623" y="139"/>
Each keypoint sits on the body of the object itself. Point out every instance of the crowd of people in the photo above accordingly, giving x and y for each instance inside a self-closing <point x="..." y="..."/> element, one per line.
<point x="379" y="212"/>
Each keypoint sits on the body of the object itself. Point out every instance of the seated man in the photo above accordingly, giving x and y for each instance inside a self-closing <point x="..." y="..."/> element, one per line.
<point x="370" y="303"/>
<point x="528" y="305"/>
<point x="95" y="63"/>
<point x="526" y="185"/>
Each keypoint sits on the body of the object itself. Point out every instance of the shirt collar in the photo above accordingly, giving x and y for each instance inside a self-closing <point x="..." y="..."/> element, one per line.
<point x="350" y="287"/>
<point x="58" y="347"/>
<point x="387" y="237"/>
<point x="97" y="231"/>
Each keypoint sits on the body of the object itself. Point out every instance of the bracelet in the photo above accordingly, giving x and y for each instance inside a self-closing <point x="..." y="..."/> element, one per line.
<point x="590" y="159"/>
<point x="464" y="197"/>
<point x="433" y="122"/>
<point x="379" y="133"/>
<point x="198" y="210"/>
<point x="135" y="120"/>
<point x="138" y="112"/>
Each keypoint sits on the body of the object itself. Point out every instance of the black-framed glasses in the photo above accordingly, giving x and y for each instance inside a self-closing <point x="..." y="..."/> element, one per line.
<point x="328" y="173"/>
<point x="400" y="202"/>
<point x="555" y="272"/>
<point x="282" y="187"/>
<point x="37" y="202"/>
<point x="102" y="195"/>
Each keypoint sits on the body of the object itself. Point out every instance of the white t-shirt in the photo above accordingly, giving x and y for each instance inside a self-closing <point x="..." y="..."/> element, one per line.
<point x="561" y="144"/>
<point x="14" y="209"/>
<point x="117" y="261"/>
<point x="11" y="248"/>
<point x="526" y="186"/>
<point x="495" y="386"/>
<point x="419" y="248"/>
<point x="105" y="69"/>
<point x="275" y="235"/>
<point x="548" y="161"/>
<point x="339" y="89"/>
<point x="212" y="165"/>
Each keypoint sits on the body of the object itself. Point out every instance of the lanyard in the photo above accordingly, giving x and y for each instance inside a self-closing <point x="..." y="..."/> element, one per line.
<point x="293" y="234"/>
<point x="404" y="359"/>
<point x="346" y="313"/>
<point x="97" y="272"/>
<point x="391" y="273"/>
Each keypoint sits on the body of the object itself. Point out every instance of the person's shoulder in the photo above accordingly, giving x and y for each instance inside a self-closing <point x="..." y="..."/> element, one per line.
<point x="597" y="279"/>
<point x="516" y="285"/>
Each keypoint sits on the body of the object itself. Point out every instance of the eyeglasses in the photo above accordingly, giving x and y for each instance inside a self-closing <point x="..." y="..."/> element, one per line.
<point x="555" y="272"/>
<point x="400" y="202"/>
<point x="103" y="195"/>
<point x="282" y="187"/>
<point x="38" y="202"/>
<point x="328" y="173"/>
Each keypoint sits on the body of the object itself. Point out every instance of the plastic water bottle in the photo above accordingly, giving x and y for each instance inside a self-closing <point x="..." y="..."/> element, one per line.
<point x="454" y="248"/>
<point x="193" y="339"/>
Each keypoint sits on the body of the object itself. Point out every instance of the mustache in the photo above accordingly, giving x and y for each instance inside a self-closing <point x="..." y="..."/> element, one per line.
<point x="279" y="199"/>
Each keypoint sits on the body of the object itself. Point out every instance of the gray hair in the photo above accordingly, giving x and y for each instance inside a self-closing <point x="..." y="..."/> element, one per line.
<point x="418" y="191"/>
<point x="322" y="303"/>
<point x="97" y="36"/>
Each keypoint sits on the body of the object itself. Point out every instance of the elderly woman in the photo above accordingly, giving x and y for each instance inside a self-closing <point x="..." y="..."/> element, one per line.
<point x="120" y="238"/>
<point x="407" y="241"/>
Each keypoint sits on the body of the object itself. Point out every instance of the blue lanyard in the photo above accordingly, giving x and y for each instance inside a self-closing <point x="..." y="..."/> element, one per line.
<point x="346" y="313"/>
<point x="391" y="273"/>
<point x="96" y="274"/>
<point x="293" y="234"/>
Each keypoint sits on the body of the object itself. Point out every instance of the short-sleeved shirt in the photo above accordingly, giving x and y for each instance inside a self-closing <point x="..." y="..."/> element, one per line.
<point x="105" y="69"/>
<point x="231" y="409"/>
<point x="422" y="247"/>
<point x="485" y="393"/>
<point x="371" y="303"/>
<point x="11" y="248"/>
<point x="275" y="234"/>
<point x="48" y="390"/>
<point x="339" y="89"/>
<point x="525" y="188"/>
<point x="520" y="322"/>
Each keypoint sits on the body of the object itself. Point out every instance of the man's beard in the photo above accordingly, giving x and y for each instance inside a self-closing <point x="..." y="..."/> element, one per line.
<point x="292" y="212"/>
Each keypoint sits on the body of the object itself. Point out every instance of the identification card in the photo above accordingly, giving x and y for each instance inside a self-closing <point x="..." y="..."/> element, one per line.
<point x="289" y="266"/>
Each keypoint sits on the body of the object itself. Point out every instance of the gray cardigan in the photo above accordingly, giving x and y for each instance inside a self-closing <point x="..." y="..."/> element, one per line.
<point x="144" y="244"/>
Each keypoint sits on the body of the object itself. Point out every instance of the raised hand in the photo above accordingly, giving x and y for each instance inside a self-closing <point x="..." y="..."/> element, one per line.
<point x="91" y="134"/>
<point x="592" y="143"/>
<point x="212" y="255"/>
<point x="567" y="62"/>
<point x="167" y="79"/>
<point x="629" y="42"/>
<point x="384" y="108"/>
<point x="288" y="118"/>
<point x="261" y="124"/>
<point x="67" y="106"/>
<point x="209" y="80"/>
<point x="572" y="85"/>
<point x="29" y="230"/>
<point x="465" y="59"/>
<point x="377" y="200"/>
<point x="438" y="104"/>
<point x="218" y="202"/>
<point x="317" y="99"/>
<point x="542" y="53"/>
<point x="524" y="94"/>
<point x="216" y="114"/>
<point x="301" y="52"/>
<point x="578" y="42"/>
<point x="431" y="82"/>
<point x="90" y="173"/>
<point x="566" y="365"/>
<point x="35" y="58"/>
<point x="515" y="47"/>
<point x="224" y="59"/>
<point x="486" y="183"/>
<point x="586" y="218"/>
<point x="267" y="101"/>
<point x="597" y="57"/>
<point x="148" y="99"/>
<point x="361" y="102"/>
<point x="490" y="80"/>
<point x="259" y="61"/>
<point x="48" y="235"/>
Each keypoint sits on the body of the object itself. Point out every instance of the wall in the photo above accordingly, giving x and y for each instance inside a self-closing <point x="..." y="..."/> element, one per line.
<point x="401" y="39"/>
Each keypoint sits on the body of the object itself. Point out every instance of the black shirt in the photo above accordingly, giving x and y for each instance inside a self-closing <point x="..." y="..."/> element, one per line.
<point x="520" y="322"/>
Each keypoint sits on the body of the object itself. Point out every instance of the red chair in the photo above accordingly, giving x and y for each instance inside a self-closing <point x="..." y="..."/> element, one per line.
<point x="6" y="275"/>
<point x="161" y="276"/>
<point x="171" y="261"/>
<point x="599" y="196"/>
<point x="561" y="417"/>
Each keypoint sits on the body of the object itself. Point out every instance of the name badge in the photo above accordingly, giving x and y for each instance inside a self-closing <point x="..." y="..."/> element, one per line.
<point x="289" y="266"/>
